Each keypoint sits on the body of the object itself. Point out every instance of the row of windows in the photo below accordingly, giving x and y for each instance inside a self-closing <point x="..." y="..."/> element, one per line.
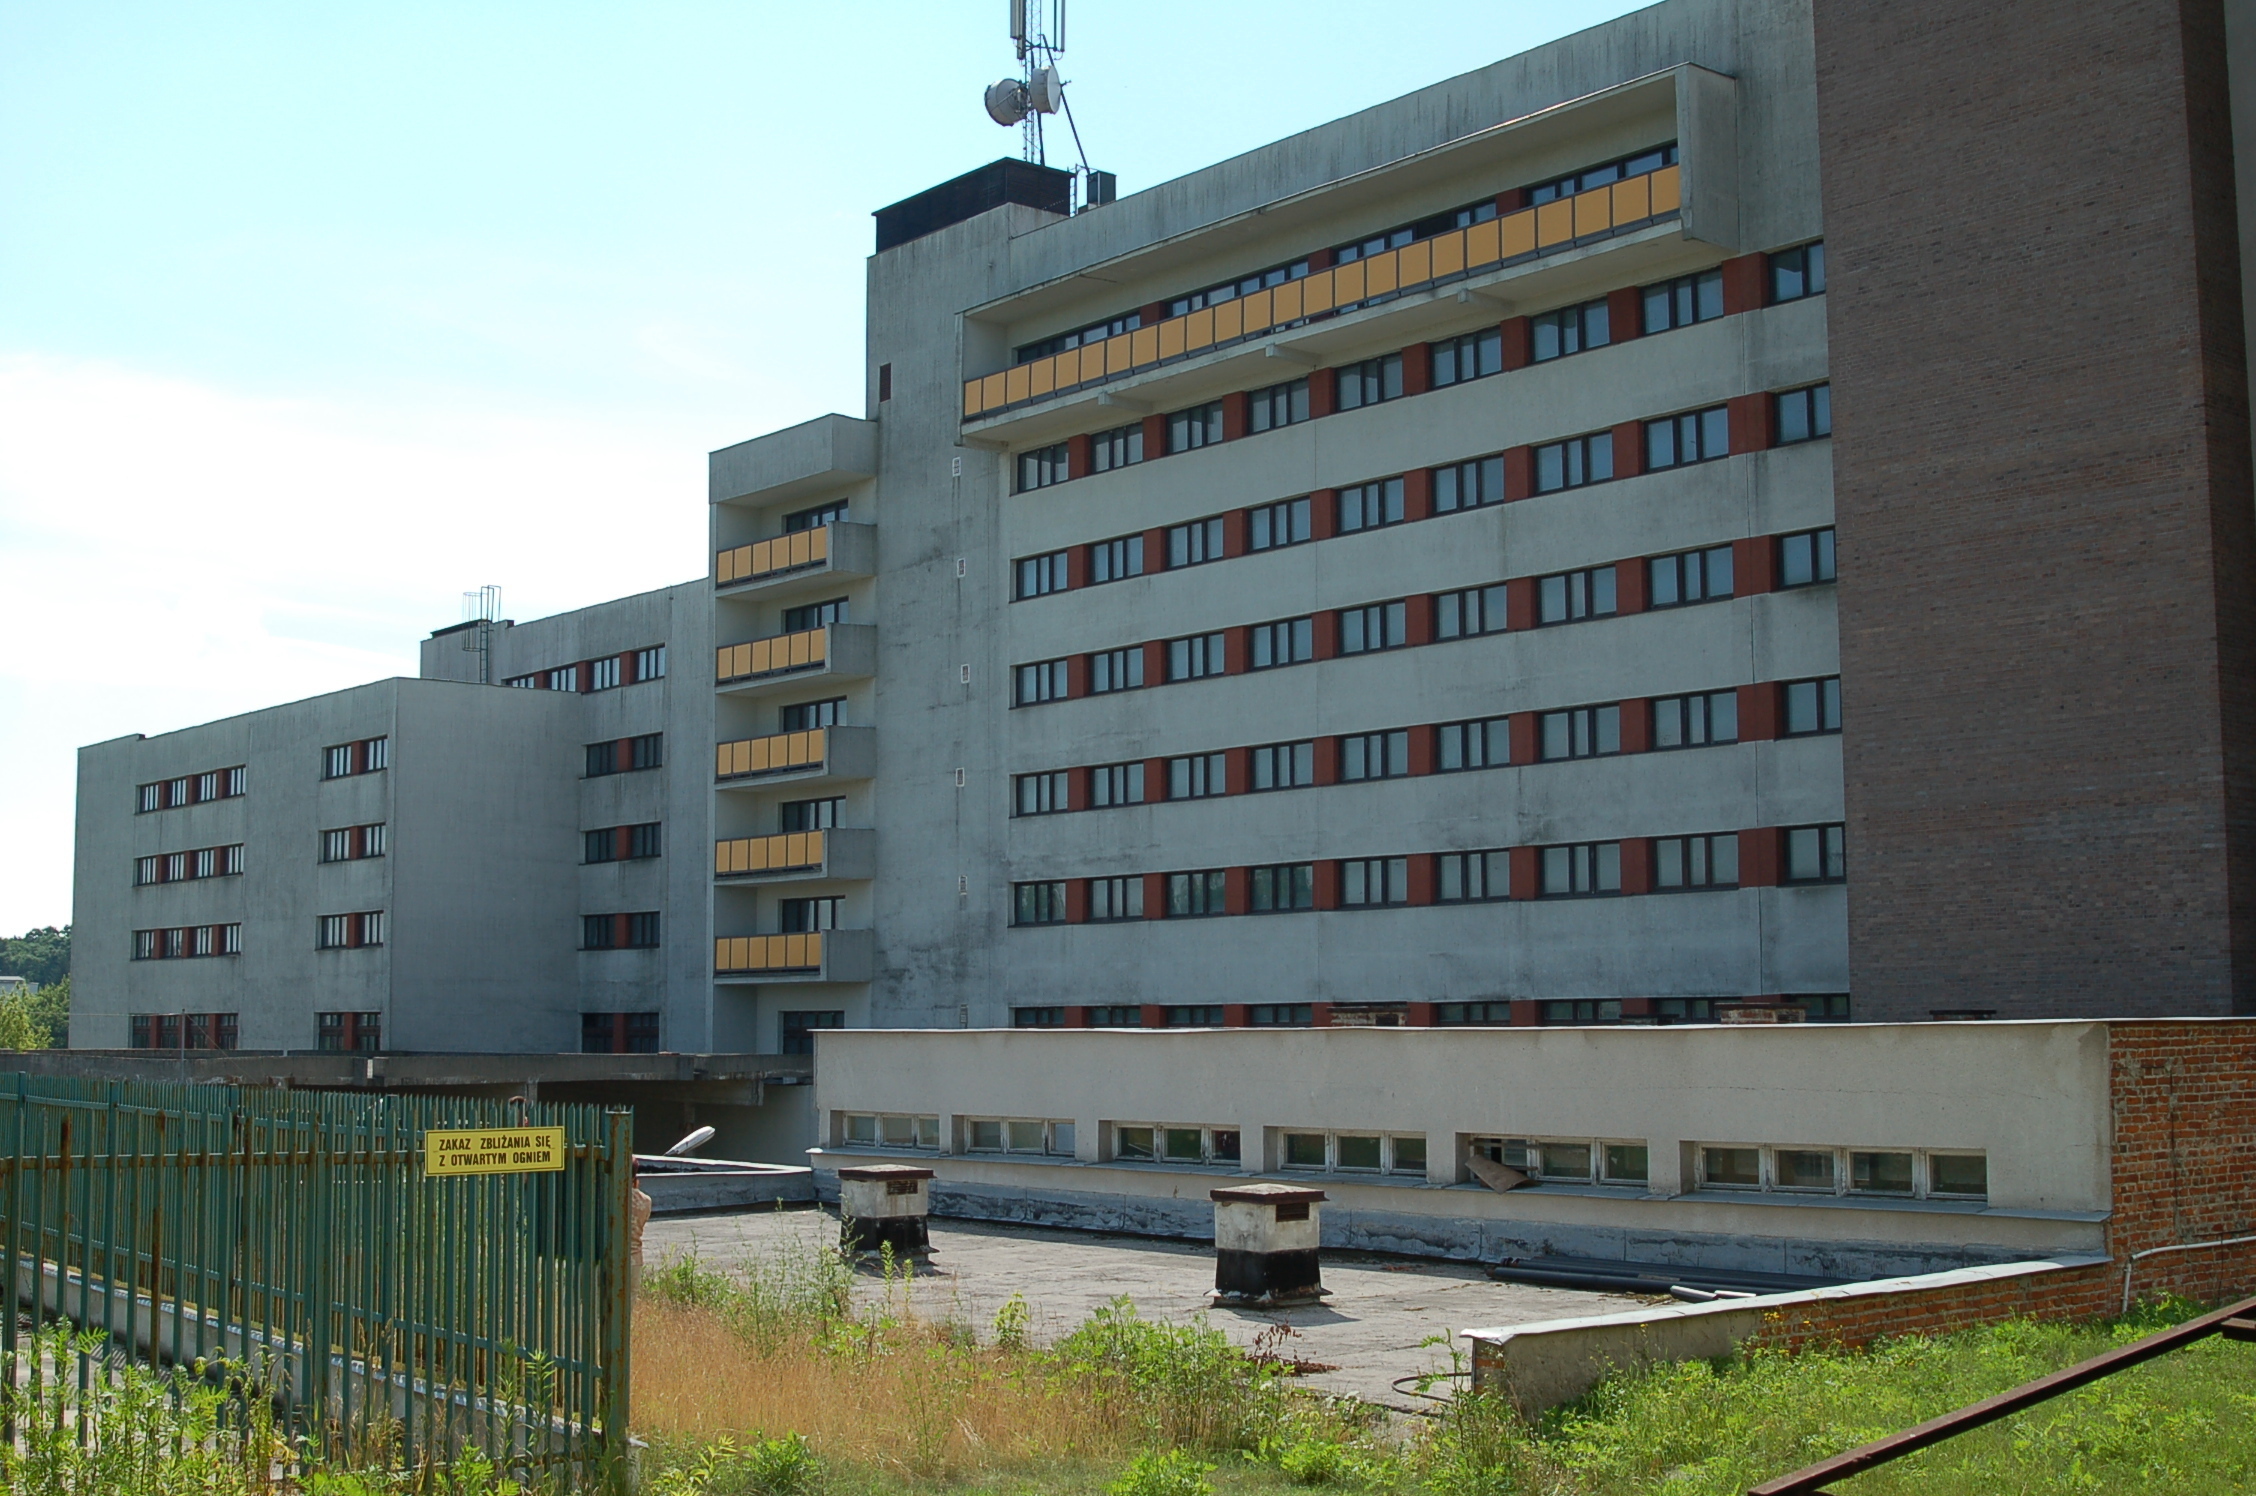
<point x="348" y="1033"/>
<point x="339" y="932"/>
<point x="189" y="789"/>
<point x="609" y="932"/>
<point x="1663" y="307"/>
<point x="1678" y="580"/>
<point x="193" y="940"/>
<point x="1572" y="462"/>
<point x="626" y="755"/>
<point x="619" y="1033"/>
<point x="1812" y="855"/>
<point x="607" y="673"/>
<point x="1699" y="719"/>
<point x="368" y="756"/>
<point x="621" y="843"/>
<point x="175" y="867"/>
<point x="351" y="843"/>
<point x="181" y="1030"/>
<point x="1823" y="1007"/>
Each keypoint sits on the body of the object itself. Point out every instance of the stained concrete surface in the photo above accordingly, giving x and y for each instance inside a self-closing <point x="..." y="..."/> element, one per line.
<point x="1370" y="1330"/>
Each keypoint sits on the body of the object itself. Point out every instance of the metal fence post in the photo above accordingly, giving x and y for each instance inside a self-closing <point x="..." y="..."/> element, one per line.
<point x="616" y="1288"/>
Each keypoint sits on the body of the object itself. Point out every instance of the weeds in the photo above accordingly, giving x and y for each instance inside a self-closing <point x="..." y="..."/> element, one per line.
<point x="1174" y="1473"/>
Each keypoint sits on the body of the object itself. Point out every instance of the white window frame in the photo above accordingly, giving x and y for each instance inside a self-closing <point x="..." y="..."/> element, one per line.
<point x="1390" y="1162"/>
<point x="1055" y="1136"/>
<point x="923" y="1128"/>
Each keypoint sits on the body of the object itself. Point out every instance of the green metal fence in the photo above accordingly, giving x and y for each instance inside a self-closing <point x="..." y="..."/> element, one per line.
<point x="294" y="1235"/>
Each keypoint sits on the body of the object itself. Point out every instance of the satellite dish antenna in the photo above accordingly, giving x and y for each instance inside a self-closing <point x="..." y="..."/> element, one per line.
<point x="1037" y="30"/>
<point x="692" y="1143"/>
<point x="1046" y="90"/>
<point x="1007" y="102"/>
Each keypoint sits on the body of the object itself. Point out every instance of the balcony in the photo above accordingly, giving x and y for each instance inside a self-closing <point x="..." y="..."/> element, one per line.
<point x="804" y="560"/>
<point x="846" y="852"/>
<point x="841" y="651"/>
<point x="823" y="753"/>
<point x="826" y="455"/>
<point x="829" y="956"/>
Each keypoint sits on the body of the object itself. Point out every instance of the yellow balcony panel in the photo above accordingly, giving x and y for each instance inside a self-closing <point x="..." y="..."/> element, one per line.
<point x="846" y="651"/>
<point x="830" y="754"/>
<point x="991" y="392"/>
<point x="1347" y="283"/>
<point x="1042" y="375"/>
<point x="1414" y="265"/>
<point x="1018" y="384"/>
<point x="801" y="560"/>
<point x="825" y="956"/>
<point x="1448" y="254"/>
<point x="1593" y="213"/>
<point x="1381" y="273"/>
<point x="730" y="564"/>
<point x="1143" y="344"/>
<point x="1554" y="223"/>
<point x="1256" y="310"/>
<point x="1117" y="356"/>
<point x="1171" y="338"/>
<point x="1198" y="329"/>
<point x="1518" y="232"/>
<point x="973" y="405"/>
<point x="1633" y="200"/>
<point x="1668" y="189"/>
<point x="1284" y="303"/>
<point x="1487" y="243"/>
<point x="1316" y="293"/>
<point x="843" y="853"/>
<point x="1229" y="321"/>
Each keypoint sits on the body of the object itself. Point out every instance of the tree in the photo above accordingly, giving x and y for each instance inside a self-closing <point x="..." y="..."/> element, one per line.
<point x="40" y="957"/>
<point x="37" y="1018"/>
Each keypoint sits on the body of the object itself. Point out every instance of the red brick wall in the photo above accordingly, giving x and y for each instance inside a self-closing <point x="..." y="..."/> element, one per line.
<point x="2047" y="553"/>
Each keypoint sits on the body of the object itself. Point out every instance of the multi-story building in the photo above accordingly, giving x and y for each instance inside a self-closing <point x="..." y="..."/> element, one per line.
<point x="1411" y="573"/>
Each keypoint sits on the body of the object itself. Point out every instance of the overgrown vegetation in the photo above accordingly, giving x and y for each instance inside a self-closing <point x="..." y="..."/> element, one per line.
<point x="41" y="957"/>
<point x="36" y="1019"/>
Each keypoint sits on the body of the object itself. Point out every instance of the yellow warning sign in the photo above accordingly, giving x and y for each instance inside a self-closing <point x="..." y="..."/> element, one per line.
<point x="505" y="1150"/>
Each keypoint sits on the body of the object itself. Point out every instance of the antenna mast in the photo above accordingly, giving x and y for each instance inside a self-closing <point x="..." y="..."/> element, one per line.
<point x="1037" y="30"/>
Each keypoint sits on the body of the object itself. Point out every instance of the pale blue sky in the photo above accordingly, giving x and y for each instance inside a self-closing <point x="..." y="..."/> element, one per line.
<point x="313" y="316"/>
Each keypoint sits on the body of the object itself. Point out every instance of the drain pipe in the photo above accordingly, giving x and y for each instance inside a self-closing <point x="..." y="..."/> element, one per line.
<point x="2191" y="1246"/>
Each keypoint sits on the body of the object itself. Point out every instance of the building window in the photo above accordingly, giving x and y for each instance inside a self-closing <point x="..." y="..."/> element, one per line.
<point x="146" y="871"/>
<point x="618" y="1033"/>
<point x="349" y="1033"/>
<point x="1194" y="658"/>
<point x="883" y="1131"/>
<point x="1279" y="405"/>
<point x="1356" y="1153"/>
<point x="149" y="797"/>
<point x="1375" y="755"/>
<point x="1373" y="627"/>
<point x="1369" y="382"/>
<point x="1905" y="1174"/>
<point x="810" y="616"/>
<point x="650" y="664"/>
<point x="1369" y="881"/>
<point x="1042" y="467"/>
<point x="193" y="940"/>
<point x="1038" y="903"/>
<point x="1581" y="868"/>
<point x="1367" y="506"/>
<point x="1283" y="888"/>
<point x="1048" y="681"/>
<point x="1468" y="485"/>
<point x="1813" y="706"/>
<point x="1116" y="784"/>
<point x="1689" y="577"/>
<point x="1805" y="415"/>
<point x="1050" y="1017"/>
<point x="1117" y="448"/>
<point x="1283" y="766"/>
<point x="832" y="513"/>
<point x="1190" y="895"/>
<point x="1574" y="462"/>
<point x="983" y="1135"/>
<point x="810" y="815"/>
<point x="1483" y="744"/>
<point x="1476" y="610"/>
<point x="1039" y="576"/>
<point x="523" y="682"/>
<point x="599" y="846"/>
<point x="808" y="916"/>
<point x="1570" y="329"/>
<point x="1470" y="877"/>
<point x="1276" y="275"/>
<point x="232" y="782"/>
<point x="1288" y="641"/>
<point x="181" y="1030"/>
<point x="1476" y="355"/>
<point x="342" y="761"/>
<point x="1194" y="1015"/>
<point x="336" y="932"/>
<point x="351" y="843"/>
<point x="1694" y="721"/>
<point x="598" y="932"/>
<point x="1200" y="426"/>
<point x="1115" y="670"/>
<point x="1799" y="272"/>
<point x="1806" y="559"/>
<point x="603" y="674"/>
<point x="626" y="755"/>
<point x="1281" y="1015"/>
<point x="1816" y="854"/>
<point x="1115" y="899"/>
<point x="1041" y="794"/>
<point x="1695" y="436"/>
<point x="337" y="762"/>
<point x="642" y="841"/>
<point x="1198" y="776"/>
<point x="1194" y="544"/>
<point x="1696" y="861"/>
<point x="1602" y="176"/>
<point x="1571" y="596"/>
<point x="1146" y="1143"/>
<point x="1096" y="332"/>
<point x="1282" y="523"/>
<point x="564" y="678"/>
<point x="1455" y="1014"/>
<point x="1684" y="301"/>
<point x="1583" y="732"/>
<point x="1115" y="560"/>
<point x="806" y="716"/>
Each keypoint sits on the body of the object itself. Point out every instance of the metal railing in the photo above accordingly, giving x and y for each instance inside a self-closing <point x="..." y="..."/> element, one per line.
<point x="794" y="552"/>
<point x="294" y="1238"/>
<point x="2235" y="1323"/>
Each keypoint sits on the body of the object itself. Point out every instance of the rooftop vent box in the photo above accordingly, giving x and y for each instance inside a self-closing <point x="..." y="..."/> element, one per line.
<point x="973" y="193"/>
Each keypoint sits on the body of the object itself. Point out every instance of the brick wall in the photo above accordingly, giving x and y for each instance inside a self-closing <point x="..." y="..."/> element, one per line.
<point x="2047" y="540"/>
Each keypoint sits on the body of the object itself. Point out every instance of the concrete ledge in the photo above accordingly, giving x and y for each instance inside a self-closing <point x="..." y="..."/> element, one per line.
<point x="1542" y="1365"/>
<point x="814" y="456"/>
<point x="677" y="1186"/>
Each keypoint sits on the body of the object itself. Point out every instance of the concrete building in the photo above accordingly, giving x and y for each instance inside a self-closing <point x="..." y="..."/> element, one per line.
<point x="1395" y="577"/>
